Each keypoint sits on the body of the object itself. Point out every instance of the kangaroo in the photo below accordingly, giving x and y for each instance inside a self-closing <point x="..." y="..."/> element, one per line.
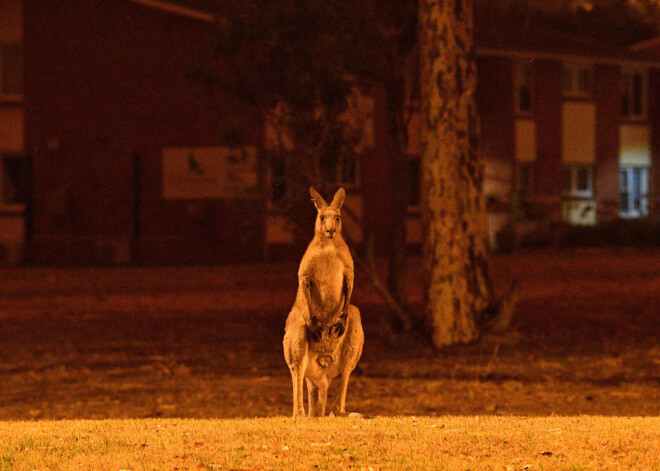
<point x="323" y="336"/>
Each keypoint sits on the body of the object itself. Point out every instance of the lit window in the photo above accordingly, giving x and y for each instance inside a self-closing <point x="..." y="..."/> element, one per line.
<point x="577" y="181"/>
<point x="577" y="80"/>
<point x="14" y="179"/>
<point x="633" y="104"/>
<point x="633" y="191"/>
<point x="523" y="84"/>
<point x="11" y="70"/>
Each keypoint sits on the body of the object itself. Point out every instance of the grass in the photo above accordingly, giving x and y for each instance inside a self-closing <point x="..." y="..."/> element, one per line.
<point x="155" y="356"/>
<point x="451" y="442"/>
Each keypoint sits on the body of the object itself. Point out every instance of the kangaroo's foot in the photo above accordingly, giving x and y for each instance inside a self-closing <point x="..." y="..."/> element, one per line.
<point x="346" y="414"/>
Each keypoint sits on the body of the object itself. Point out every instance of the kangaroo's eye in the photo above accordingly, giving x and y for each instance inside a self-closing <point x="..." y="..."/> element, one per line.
<point x="322" y="218"/>
<point x="337" y="218"/>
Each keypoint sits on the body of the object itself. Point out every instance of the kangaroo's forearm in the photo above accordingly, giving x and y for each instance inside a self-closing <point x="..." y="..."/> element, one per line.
<point x="305" y="286"/>
<point x="348" y="291"/>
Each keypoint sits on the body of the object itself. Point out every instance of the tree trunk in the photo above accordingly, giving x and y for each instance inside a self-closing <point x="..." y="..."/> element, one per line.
<point x="457" y="283"/>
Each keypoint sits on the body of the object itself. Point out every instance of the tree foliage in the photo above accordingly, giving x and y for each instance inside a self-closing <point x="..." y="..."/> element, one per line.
<point x="617" y="22"/>
<point x="307" y="56"/>
<point x="300" y="62"/>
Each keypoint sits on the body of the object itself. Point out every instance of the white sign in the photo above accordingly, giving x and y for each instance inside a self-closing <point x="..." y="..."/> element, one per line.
<point x="209" y="173"/>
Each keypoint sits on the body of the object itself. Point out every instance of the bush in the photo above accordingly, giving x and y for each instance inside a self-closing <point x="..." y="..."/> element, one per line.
<point x="618" y="232"/>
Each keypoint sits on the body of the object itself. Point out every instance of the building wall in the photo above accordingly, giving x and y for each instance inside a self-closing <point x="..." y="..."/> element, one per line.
<point x="495" y="101"/>
<point x="12" y="215"/>
<point x="377" y="177"/>
<point x="607" y="96"/>
<point x="548" y="112"/>
<point x="105" y="82"/>
<point x="105" y="88"/>
<point x="654" y="117"/>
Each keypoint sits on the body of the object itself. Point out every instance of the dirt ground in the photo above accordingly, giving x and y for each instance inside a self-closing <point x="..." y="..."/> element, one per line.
<point x="205" y="341"/>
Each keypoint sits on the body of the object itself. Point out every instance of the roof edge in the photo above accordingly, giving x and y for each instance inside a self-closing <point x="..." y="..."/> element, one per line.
<point x="177" y="10"/>
<point x="642" y="45"/>
<point x="565" y="57"/>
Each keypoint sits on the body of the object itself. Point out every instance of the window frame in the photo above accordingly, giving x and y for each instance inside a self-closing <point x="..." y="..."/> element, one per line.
<point x="630" y="212"/>
<point x="573" y="191"/>
<point x="523" y="71"/>
<point x="529" y="187"/>
<point x="11" y="97"/>
<point x="339" y="173"/>
<point x="628" y="90"/>
<point x="9" y="206"/>
<point x="574" y="69"/>
<point x="414" y="184"/>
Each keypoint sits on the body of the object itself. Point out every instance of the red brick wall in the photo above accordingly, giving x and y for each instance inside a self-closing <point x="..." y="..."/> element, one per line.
<point x="548" y="93"/>
<point x="376" y="177"/>
<point x="654" y="117"/>
<point x="607" y="96"/>
<point x="105" y="81"/>
<point x="496" y="108"/>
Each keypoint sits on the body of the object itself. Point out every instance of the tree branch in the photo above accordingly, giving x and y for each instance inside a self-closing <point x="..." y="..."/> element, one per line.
<point x="368" y="266"/>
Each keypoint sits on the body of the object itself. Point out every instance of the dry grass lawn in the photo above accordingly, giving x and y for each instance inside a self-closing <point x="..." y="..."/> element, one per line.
<point x="452" y="443"/>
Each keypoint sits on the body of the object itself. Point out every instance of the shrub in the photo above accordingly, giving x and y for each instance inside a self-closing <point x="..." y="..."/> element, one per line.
<point x="618" y="232"/>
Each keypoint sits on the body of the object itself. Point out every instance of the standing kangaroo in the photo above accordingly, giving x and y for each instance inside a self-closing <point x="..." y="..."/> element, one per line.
<point x="323" y="336"/>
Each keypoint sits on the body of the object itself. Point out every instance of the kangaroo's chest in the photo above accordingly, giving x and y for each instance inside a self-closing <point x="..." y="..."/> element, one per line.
<point x="327" y="274"/>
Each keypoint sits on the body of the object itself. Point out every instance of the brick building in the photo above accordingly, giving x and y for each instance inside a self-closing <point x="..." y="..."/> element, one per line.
<point x="110" y="155"/>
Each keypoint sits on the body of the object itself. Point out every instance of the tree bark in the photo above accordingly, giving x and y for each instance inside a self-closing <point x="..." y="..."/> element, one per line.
<point x="457" y="282"/>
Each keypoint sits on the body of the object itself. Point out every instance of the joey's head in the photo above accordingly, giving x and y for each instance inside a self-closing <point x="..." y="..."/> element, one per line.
<point x="328" y="219"/>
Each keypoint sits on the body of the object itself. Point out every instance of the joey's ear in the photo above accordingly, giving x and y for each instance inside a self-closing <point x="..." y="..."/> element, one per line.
<point x="338" y="200"/>
<point x="318" y="200"/>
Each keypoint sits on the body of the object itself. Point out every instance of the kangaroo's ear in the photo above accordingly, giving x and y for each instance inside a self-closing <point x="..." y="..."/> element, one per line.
<point x="338" y="200"/>
<point x="318" y="200"/>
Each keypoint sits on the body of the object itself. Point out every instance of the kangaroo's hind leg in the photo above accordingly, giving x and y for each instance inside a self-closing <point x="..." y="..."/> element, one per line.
<point x="339" y="407"/>
<point x="298" y="396"/>
<point x="351" y="352"/>
<point x="295" y="354"/>
<point x="318" y="398"/>
<point x="323" y="399"/>
<point x="312" y="399"/>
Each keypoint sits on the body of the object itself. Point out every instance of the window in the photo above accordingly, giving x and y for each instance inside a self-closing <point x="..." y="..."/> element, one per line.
<point x="523" y="80"/>
<point x="278" y="179"/>
<point x="11" y="70"/>
<point x="577" y="181"/>
<point x="525" y="177"/>
<point x="13" y="182"/>
<point x="348" y="174"/>
<point x="577" y="80"/>
<point x="414" y="182"/>
<point x="633" y="96"/>
<point x="342" y="170"/>
<point x="633" y="191"/>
